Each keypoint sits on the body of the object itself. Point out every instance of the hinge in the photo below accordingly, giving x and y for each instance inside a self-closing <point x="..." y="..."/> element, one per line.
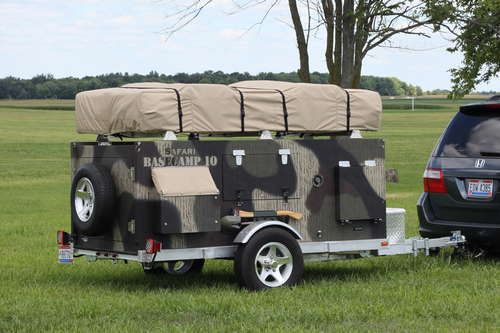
<point x="131" y="226"/>
<point x="238" y="154"/>
<point x="284" y="153"/>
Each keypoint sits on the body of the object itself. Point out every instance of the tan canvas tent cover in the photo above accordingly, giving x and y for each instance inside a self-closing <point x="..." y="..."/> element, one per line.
<point x="248" y="106"/>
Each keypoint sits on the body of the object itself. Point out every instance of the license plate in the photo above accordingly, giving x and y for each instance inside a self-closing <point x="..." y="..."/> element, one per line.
<point x="65" y="254"/>
<point x="480" y="188"/>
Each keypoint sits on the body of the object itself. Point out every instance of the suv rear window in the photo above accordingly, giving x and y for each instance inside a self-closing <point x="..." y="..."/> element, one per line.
<point x="472" y="134"/>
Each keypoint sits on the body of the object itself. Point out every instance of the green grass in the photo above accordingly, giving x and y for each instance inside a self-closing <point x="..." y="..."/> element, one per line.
<point x="38" y="104"/>
<point x="392" y="294"/>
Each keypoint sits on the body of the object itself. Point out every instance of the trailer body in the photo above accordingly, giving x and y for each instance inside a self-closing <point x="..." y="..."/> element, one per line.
<point x="337" y="184"/>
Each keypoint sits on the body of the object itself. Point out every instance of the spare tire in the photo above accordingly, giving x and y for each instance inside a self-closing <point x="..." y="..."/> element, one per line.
<point x="92" y="199"/>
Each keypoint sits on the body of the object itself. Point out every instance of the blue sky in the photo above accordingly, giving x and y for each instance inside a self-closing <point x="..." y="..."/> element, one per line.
<point x="88" y="37"/>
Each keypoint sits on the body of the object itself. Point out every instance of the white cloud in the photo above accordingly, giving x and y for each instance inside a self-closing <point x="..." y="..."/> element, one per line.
<point x="122" y="20"/>
<point x="232" y="33"/>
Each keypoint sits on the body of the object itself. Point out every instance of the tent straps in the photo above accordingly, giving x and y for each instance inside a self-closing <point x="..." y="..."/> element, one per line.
<point x="285" y="111"/>
<point x="242" y="109"/>
<point x="348" y="111"/>
<point x="179" y="108"/>
<point x="179" y="104"/>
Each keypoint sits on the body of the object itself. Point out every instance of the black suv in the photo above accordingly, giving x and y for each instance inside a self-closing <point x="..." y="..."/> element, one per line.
<point x="462" y="178"/>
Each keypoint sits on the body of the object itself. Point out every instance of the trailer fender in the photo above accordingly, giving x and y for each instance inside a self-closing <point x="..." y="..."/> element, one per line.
<point x="244" y="235"/>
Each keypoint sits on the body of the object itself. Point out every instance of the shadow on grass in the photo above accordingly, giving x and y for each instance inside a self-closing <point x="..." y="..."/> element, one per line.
<point x="222" y="277"/>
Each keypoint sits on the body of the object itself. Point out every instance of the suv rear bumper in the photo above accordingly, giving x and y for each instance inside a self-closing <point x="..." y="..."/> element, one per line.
<point x="480" y="234"/>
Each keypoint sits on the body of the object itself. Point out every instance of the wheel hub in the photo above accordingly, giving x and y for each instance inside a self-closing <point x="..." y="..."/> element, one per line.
<point x="273" y="264"/>
<point x="84" y="199"/>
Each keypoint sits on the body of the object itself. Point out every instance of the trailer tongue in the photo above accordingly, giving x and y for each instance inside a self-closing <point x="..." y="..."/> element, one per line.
<point x="269" y="204"/>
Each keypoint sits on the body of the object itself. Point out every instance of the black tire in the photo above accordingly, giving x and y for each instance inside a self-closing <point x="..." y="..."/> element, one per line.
<point x="99" y="219"/>
<point x="246" y="265"/>
<point x="469" y="251"/>
<point x="434" y="251"/>
<point x="190" y="267"/>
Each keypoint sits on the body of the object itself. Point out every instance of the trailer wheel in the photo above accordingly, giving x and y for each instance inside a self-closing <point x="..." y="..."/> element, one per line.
<point x="177" y="267"/>
<point x="92" y="199"/>
<point x="271" y="258"/>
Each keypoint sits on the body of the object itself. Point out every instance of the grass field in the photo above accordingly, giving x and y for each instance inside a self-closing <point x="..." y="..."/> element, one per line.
<point x="390" y="294"/>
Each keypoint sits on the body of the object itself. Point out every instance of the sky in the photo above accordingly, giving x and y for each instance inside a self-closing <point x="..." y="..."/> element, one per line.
<point x="90" y="37"/>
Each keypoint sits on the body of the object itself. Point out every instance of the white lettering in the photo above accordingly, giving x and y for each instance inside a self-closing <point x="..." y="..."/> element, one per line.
<point x="181" y="160"/>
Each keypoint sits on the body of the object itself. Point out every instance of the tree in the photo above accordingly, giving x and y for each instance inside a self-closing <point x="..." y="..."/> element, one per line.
<point x="46" y="86"/>
<point x="352" y="29"/>
<point x="475" y="29"/>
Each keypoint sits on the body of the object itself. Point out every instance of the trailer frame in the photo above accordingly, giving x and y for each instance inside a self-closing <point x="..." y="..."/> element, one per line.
<point x="312" y="251"/>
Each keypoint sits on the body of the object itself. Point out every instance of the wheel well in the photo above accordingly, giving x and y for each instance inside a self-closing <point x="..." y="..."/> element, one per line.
<point x="247" y="233"/>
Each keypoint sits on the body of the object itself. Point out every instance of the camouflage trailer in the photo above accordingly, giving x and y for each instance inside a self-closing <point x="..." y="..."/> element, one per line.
<point x="269" y="203"/>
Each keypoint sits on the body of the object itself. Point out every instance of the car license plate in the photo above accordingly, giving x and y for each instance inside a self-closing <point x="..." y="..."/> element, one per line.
<point x="480" y="188"/>
<point x="65" y="254"/>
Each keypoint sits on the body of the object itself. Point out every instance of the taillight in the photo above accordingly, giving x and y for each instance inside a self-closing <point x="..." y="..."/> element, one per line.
<point x="152" y="246"/>
<point x="63" y="238"/>
<point x="434" y="181"/>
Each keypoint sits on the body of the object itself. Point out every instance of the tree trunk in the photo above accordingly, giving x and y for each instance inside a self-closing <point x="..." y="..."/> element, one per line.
<point x="361" y="36"/>
<point x="329" y="26"/>
<point x="303" y="71"/>
<point x="337" y="53"/>
<point x="356" y="81"/>
<point x="348" y="43"/>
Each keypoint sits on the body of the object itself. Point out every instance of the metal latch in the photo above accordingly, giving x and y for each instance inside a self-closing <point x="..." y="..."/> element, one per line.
<point x="370" y="163"/>
<point x="238" y="154"/>
<point x="170" y="136"/>
<point x="284" y="153"/>
<point x="131" y="226"/>
<point x="344" y="164"/>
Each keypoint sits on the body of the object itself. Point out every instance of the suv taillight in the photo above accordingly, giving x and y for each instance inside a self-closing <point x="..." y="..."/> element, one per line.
<point x="434" y="181"/>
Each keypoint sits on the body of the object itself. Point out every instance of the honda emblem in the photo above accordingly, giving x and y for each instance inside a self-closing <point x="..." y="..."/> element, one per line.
<point x="479" y="163"/>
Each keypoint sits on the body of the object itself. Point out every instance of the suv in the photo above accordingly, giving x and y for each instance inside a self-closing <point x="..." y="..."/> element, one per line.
<point x="462" y="179"/>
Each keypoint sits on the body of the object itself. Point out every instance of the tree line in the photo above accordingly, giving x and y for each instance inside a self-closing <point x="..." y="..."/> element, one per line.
<point x="47" y="86"/>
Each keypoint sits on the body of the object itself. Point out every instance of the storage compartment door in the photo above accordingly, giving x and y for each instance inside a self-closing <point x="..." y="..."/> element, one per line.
<point x="259" y="177"/>
<point x="189" y="199"/>
<point x="360" y="193"/>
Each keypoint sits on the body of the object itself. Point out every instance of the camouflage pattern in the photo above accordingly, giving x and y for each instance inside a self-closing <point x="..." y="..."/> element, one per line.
<point x="345" y="202"/>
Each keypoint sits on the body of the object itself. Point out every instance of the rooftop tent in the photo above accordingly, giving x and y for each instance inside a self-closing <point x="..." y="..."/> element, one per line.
<point x="158" y="107"/>
<point x="248" y="106"/>
<point x="294" y="107"/>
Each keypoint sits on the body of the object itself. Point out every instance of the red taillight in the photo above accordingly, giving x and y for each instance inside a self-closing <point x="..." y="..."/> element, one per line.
<point x="434" y="181"/>
<point x="152" y="246"/>
<point x="494" y="106"/>
<point x="63" y="238"/>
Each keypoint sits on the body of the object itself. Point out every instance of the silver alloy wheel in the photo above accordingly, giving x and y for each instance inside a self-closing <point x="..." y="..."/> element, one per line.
<point x="273" y="264"/>
<point x="84" y="199"/>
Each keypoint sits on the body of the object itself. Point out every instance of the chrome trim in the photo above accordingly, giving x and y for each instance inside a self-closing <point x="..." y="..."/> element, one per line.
<point x="341" y="246"/>
<point x="212" y="252"/>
